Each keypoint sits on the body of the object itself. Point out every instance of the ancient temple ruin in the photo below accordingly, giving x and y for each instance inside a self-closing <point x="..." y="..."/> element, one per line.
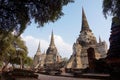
<point x="42" y="61"/>
<point x="52" y="55"/>
<point x="86" y="39"/>
<point x="37" y="57"/>
<point x="49" y="57"/>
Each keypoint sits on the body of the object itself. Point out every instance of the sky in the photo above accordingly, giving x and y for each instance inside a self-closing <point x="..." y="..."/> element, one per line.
<point x="67" y="29"/>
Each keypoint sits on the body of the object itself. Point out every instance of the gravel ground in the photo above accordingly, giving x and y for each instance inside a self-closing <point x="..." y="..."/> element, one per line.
<point x="47" y="77"/>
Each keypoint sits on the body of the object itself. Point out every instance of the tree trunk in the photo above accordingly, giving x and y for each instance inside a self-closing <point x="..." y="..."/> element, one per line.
<point x="4" y="67"/>
<point x="21" y="65"/>
<point x="13" y="66"/>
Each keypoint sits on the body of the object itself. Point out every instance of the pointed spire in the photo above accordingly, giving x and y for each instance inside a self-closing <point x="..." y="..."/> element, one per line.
<point x="100" y="39"/>
<point x="38" y="50"/>
<point x="85" y="25"/>
<point x="52" y="40"/>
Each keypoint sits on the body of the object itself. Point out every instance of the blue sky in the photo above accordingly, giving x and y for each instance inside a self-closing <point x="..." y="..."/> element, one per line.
<point x="67" y="29"/>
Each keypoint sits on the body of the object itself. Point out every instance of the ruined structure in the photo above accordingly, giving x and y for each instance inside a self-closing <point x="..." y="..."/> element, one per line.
<point x="37" y="57"/>
<point x="42" y="60"/>
<point x="52" y="55"/>
<point x="86" y="39"/>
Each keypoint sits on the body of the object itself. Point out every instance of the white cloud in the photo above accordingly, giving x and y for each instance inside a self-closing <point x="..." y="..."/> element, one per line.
<point x="64" y="49"/>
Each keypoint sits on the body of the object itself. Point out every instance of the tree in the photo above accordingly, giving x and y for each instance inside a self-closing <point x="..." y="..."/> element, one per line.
<point x="28" y="61"/>
<point x="21" y="52"/>
<point x="17" y="14"/>
<point x="111" y="7"/>
<point x="13" y="50"/>
<point x="6" y="46"/>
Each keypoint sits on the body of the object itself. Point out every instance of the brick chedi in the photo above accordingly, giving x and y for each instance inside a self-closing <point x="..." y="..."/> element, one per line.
<point x="49" y="57"/>
<point x="86" y="40"/>
<point x="37" y="56"/>
<point x="42" y="60"/>
<point x="39" y="59"/>
<point x="52" y="55"/>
